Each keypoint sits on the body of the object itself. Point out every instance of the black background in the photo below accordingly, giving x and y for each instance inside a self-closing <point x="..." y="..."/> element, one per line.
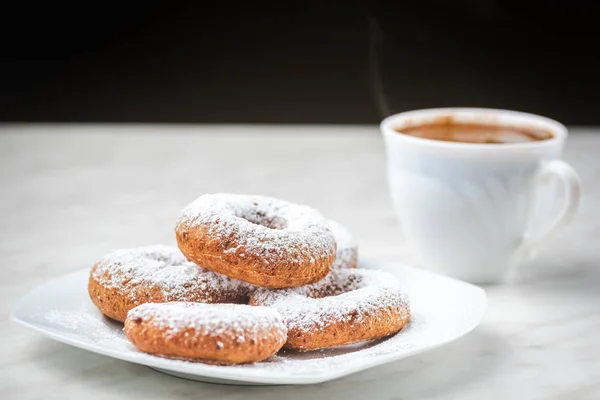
<point x="297" y="62"/>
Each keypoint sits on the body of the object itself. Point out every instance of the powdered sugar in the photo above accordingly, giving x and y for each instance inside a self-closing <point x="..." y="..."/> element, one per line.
<point x="163" y="267"/>
<point x="215" y="320"/>
<point x="343" y="292"/>
<point x="85" y="324"/>
<point x="90" y="324"/>
<point x="336" y="358"/>
<point x="265" y="227"/>
<point x="346" y="255"/>
<point x="441" y="310"/>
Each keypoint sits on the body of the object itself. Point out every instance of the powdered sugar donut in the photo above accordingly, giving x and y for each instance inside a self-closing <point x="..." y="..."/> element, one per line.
<point x="348" y="306"/>
<point x="260" y="240"/>
<point x="212" y="333"/>
<point x="346" y="255"/>
<point x="156" y="274"/>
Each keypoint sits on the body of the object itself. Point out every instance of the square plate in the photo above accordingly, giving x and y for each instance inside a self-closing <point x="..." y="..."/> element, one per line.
<point x="443" y="309"/>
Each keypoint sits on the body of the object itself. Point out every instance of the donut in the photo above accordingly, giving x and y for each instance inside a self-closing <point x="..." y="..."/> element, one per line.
<point x="156" y="274"/>
<point x="210" y="333"/>
<point x="347" y="250"/>
<point x="260" y="240"/>
<point x="348" y="306"/>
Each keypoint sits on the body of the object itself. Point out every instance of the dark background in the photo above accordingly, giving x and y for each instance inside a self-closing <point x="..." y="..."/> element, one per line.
<point x="297" y="62"/>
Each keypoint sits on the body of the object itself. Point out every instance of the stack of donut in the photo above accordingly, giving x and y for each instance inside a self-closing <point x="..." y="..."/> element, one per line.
<point x="252" y="274"/>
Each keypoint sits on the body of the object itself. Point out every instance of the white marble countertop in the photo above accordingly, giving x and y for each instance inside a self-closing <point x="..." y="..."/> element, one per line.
<point x="70" y="193"/>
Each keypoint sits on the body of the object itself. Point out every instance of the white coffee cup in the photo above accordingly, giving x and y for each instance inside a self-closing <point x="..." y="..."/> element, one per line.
<point x="466" y="208"/>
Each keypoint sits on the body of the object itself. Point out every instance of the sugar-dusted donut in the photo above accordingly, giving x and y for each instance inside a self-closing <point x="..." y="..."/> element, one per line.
<point x="346" y="255"/>
<point x="348" y="306"/>
<point x="156" y="274"/>
<point x="212" y="333"/>
<point x="264" y="241"/>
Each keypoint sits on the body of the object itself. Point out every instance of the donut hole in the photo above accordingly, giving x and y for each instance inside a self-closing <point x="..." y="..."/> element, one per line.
<point x="162" y="259"/>
<point x="336" y="287"/>
<point x="259" y="216"/>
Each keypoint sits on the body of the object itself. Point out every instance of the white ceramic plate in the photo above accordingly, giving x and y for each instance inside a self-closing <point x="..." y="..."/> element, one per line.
<point x="443" y="310"/>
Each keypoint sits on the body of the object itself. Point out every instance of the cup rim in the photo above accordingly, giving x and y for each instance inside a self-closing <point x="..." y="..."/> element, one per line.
<point x="559" y="131"/>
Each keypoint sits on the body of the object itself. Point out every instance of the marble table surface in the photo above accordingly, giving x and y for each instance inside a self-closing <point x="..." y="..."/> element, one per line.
<point x="70" y="193"/>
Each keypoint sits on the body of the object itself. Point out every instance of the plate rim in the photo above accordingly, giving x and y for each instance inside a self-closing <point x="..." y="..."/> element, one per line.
<point x="235" y="375"/>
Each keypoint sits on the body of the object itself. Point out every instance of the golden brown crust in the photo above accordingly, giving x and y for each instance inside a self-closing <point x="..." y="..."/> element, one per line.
<point x="202" y="248"/>
<point x="248" y="345"/>
<point x="220" y="350"/>
<point x="348" y="306"/>
<point x="116" y="303"/>
<point x="110" y="301"/>
<point x="375" y="325"/>
<point x="127" y="278"/>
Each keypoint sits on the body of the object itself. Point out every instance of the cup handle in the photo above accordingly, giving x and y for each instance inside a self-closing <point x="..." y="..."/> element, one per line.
<point x="570" y="182"/>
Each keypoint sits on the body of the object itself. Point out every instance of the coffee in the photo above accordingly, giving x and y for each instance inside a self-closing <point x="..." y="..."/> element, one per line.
<point x="468" y="132"/>
<point x="473" y="210"/>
